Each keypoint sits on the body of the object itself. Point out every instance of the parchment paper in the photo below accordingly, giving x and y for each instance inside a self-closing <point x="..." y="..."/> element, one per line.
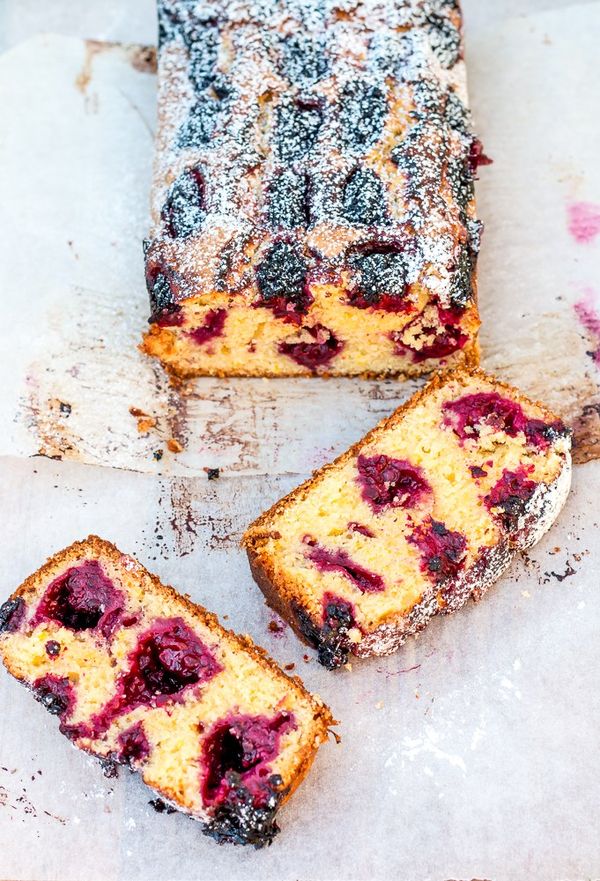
<point x="473" y="751"/>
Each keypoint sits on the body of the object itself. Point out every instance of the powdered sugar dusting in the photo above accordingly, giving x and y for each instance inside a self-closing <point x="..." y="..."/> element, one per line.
<point x="312" y="93"/>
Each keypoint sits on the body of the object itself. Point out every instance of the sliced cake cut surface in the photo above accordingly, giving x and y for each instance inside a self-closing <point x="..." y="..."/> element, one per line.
<point x="138" y="674"/>
<point x="426" y="511"/>
<point x="313" y="201"/>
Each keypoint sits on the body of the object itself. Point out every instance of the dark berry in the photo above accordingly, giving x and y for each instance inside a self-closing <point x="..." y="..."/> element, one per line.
<point x="442" y="551"/>
<point x="239" y="820"/>
<point x="12" y="613"/>
<point x="303" y="60"/>
<point x="461" y="279"/>
<point x="361" y="529"/>
<point x="387" y="482"/>
<point x="297" y="128"/>
<point x="160" y="806"/>
<point x="288" y="201"/>
<point x="364" y="198"/>
<point x="197" y="129"/>
<point x="204" y="49"/>
<point x="55" y="693"/>
<point x="281" y="280"/>
<point x="339" y="561"/>
<point x="83" y="598"/>
<point x="509" y="496"/>
<point x="165" y="311"/>
<point x="363" y="108"/>
<point x="134" y="745"/>
<point x="241" y="746"/>
<point x="445" y="39"/>
<point x="313" y="354"/>
<point x="183" y="211"/>
<point x="380" y="280"/>
<point x="212" y="326"/>
<point x="52" y="648"/>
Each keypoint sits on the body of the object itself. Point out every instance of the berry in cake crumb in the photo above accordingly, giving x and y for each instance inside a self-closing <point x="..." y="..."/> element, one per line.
<point x="52" y="648"/>
<point x="434" y="333"/>
<point x="467" y="416"/>
<point x="167" y="659"/>
<point x="363" y="108"/>
<point x="387" y="482"/>
<point x="55" y="693"/>
<point x="339" y="561"/>
<point x="442" y="550"/>
<point x="239" y="749"/>
<point x="477" y="471"/>
<point x="281" y="278"/>
<point x="83" y="598"/>
<point x="313" y="354"/>
<point x="214" y="323"/>
<point x="363" y="198"/>
<point x="134" y="745"/>
<point x="509" y="496"/>
<point x="183" y="211"/>
<point x="12" y="613"/>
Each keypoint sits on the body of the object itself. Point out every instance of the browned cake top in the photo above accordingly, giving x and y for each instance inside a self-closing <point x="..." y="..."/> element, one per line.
<point x="305" y="137"/>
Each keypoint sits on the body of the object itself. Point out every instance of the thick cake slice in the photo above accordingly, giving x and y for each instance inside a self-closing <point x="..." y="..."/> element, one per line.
<point x="138" y="674"/>
<point x="426" y="511"/>
<point x="313" y="204"/>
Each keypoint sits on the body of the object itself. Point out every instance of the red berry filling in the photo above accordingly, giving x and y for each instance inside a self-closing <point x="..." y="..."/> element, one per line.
<point x="509" y="496"/>
<point x="468" y="414"/>
<point x="362" y="530"/>
<point x="340" y="561"/>
<point x="434" y="333"/>
<point x="387" y="482"/>
<point x="442" y="550"/>
<point x="134" y="745"/>
<point x="214" y="323"/>
<point x="313" y="354"/>
<point x="239" y="750"/>
<point x="477" y="157"/>
<point x="82" y="598"/>
<point x="55" y="693"/>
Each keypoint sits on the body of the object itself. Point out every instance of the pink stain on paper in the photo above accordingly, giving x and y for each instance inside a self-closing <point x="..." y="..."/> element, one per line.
<point x="584" y="221"/>
<point x="589" y="317"/>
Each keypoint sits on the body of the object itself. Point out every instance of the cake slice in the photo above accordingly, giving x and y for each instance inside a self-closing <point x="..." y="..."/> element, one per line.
<point x="424" y="512"/>
<point x="313" y="202"/>
<point x="139" y="675"/>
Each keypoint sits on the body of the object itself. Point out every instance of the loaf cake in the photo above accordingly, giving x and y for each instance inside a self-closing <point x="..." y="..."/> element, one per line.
<point x="313" y="202"/>
<point x="138" y="674"/>
<point x="423" y="513"/>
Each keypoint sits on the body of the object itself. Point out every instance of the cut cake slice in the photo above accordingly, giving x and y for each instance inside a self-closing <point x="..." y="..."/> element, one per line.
<point x="424" y="512"/>
<point x="138" y="674"/>
<point x="313" y="200"/>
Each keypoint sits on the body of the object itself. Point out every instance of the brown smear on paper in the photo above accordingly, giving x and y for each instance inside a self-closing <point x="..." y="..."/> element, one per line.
<point x="141" y="58"/>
